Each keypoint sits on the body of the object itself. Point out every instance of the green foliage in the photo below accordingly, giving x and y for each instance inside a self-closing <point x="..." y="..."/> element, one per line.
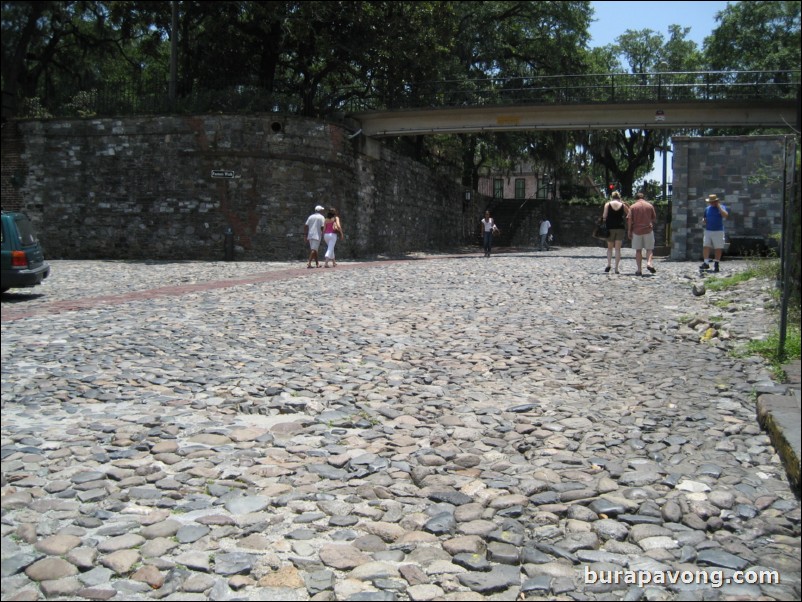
<point x="627" y="156"/>
<point x="642" y="49"/>
<point x="318" y="58"/>
<point x="586" y="202"/>
<point x="679" y="53"/>
<point x="758" y="268"/>
<point x="769" y="348"/>
<point x="84" y="103"/>
<point x="756" y="36"/>
<point x="32" y="108"/>
<point x="624" y="155"/>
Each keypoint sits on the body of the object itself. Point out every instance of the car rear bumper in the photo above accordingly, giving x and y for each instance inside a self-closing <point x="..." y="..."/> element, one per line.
<point x="25" y="278"/>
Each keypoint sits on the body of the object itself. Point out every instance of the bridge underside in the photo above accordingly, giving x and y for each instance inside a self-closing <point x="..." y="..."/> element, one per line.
<point x="462" y="120"/>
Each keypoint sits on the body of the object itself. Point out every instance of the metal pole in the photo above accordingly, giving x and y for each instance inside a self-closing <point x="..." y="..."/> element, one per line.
<point x="786" y="254"/>
<point x="665" y="197"/>
<point x="664" y="150"/>
<point x="173" y="52"/>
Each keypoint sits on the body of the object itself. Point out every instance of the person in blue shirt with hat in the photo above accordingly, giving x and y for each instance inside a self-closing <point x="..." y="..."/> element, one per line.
<point x="713" y="221"/>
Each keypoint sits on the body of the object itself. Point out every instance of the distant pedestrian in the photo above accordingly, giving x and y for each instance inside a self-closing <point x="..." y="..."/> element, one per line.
<point x="313" y="232"/>
<point x="489" y="228"/>
<point x="642" y="218"/>
<point x="332" y="231"/>
<point x="713" y="221"/>
<point x="545" y="226"/>
<point x="615" y="217"/>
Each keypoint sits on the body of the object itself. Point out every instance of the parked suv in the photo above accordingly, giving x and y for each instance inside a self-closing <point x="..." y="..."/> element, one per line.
<point x="23" y="263"/>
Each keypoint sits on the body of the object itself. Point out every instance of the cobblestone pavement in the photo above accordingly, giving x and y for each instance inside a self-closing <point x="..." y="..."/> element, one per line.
<point x="440" y="428"/>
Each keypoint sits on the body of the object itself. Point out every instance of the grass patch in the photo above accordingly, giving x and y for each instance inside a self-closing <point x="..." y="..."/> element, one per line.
<point x="769" y="348"/>
<point x="758" y="268"/>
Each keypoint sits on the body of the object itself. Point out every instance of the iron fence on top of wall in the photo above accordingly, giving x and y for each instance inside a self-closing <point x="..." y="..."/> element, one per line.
<point x="126" y="99"/>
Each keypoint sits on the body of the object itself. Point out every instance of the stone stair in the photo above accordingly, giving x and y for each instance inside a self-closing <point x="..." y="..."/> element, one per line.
<point x="510" y="215"/>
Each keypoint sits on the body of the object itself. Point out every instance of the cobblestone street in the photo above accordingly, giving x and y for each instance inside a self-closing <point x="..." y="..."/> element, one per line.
<point x="443" y="427"/>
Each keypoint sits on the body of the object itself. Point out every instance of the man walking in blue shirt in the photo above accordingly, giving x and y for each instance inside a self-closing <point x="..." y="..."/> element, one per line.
<point x="713" y="221"/>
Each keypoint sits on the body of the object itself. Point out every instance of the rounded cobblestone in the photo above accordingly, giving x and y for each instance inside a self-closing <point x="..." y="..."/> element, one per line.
<point x="439" y="427"/>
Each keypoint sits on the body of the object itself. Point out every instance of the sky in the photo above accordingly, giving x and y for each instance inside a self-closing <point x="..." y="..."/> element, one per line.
<point x="614" y="18"/>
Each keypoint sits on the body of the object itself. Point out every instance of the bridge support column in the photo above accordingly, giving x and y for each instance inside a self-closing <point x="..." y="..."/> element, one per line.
<point x="369" y="147"/>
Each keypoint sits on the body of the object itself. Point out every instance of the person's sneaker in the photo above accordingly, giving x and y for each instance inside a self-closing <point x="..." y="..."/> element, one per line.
<point x="715" y="267"/>
<point x="704" y="266"/>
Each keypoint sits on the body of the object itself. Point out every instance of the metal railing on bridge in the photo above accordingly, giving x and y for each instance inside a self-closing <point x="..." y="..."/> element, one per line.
<point x="131" y="98"/>
<point x="661" y="87"/>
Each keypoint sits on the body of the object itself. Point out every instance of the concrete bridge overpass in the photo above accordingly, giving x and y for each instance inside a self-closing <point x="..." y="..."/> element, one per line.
<point x="676" y="116"/>
<point x="676" y="100"/>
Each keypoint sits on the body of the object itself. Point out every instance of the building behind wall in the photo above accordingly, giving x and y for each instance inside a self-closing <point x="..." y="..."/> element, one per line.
<point x="746" y="172"/>
<point x="528" y="181"/>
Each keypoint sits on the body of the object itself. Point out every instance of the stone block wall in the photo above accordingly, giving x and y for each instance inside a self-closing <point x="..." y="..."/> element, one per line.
<point x="143" y="188"/>
<point x="745" y="171"/>
<point x="13" y="166"/>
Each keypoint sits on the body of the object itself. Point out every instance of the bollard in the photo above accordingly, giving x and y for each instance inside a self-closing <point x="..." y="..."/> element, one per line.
<point x="229" y="244"/>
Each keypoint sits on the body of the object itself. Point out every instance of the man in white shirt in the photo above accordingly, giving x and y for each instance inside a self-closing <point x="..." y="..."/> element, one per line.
<point x="545" y="226"/>
<point x="313" y="233"/>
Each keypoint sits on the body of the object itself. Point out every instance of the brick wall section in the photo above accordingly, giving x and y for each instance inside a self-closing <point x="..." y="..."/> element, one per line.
<point x="745" y="171"/>
<point x="138" y="188"/>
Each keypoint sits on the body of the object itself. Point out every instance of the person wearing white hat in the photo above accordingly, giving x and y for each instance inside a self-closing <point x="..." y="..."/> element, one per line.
<point x="713" y="221"/>
<point x="313" y="233"/>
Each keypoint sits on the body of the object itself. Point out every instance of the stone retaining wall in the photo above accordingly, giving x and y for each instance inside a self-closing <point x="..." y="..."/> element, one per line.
<point x="746" y="172"/>
<point x="140" y="188"/>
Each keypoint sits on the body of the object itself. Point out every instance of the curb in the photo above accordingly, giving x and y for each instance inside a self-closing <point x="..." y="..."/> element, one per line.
<point x="779" y="416"/>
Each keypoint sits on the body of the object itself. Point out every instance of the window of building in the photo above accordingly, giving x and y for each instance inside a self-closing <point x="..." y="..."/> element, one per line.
<point x="498" y="189"/>
<point x="520" y="188"/>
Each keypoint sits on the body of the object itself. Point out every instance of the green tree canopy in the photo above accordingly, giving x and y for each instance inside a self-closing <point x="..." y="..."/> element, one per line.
<point x="317" y="58"/>
<point x="759" y="36"/>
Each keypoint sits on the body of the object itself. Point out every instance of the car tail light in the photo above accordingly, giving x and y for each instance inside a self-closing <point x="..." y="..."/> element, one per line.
<point x="19" y="259"/>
